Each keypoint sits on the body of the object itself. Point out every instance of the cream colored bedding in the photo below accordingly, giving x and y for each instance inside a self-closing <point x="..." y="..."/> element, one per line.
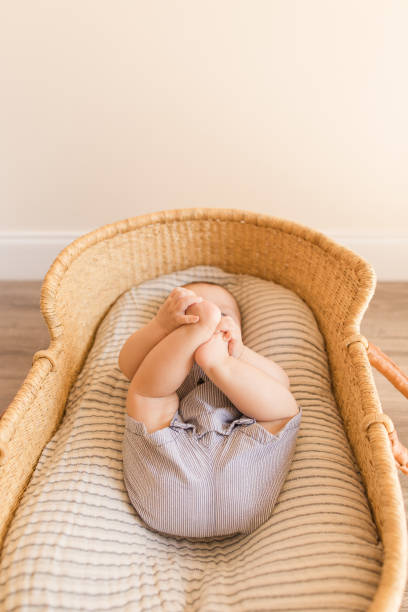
<point x="76" y="542"/>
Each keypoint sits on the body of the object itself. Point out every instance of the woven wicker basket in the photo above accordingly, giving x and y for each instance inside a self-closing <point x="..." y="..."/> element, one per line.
<point x="91" y="273"/>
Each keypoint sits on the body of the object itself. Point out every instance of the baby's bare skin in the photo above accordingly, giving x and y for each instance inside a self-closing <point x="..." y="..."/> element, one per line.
<point x="257" y="386"/>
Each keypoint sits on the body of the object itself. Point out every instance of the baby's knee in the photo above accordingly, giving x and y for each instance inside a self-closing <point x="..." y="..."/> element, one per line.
<point x="209" y="313"/>
<point x="155" y="412"/>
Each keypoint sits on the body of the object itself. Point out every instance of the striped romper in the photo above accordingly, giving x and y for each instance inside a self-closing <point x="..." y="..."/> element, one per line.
<point x="212" y="472"/>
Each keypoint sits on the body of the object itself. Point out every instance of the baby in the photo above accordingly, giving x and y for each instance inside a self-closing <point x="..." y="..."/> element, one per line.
<point x="201" y="325"/>
<point x="211" y="425"/>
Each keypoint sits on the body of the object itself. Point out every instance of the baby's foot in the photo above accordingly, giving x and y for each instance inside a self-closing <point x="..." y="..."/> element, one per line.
<point x="212" y="353"/>
<point x="209" y="313"/>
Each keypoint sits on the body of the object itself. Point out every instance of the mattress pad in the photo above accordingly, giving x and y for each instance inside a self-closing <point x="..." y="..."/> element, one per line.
<point x="76" y="542"/>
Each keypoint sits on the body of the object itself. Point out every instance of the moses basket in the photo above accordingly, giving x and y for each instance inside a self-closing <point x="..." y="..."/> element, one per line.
<point x="337" y="285"/>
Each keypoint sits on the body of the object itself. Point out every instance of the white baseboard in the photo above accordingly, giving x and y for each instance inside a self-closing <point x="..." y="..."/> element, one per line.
<point x="28" y="255"/>
<point x="388" y="255"/>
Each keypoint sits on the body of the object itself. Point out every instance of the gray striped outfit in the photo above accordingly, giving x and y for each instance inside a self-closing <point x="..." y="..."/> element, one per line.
<point x="212" y="472"/>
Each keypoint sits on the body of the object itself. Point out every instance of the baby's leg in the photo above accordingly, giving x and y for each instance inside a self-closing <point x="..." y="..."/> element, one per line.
<point x="152" y="396"/>
<point x="252" y="391"/>
<point x="155" y="412"/>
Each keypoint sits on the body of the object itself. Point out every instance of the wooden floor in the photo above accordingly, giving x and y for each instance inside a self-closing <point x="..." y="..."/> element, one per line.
<point x="23" y="332"/>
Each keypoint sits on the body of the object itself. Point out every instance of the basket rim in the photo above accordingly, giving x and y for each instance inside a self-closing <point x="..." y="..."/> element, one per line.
<point x="363" y="270"/>
<point x="392" y="577"/>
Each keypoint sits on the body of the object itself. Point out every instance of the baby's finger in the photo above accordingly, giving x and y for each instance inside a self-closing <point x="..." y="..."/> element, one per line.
<point x="190" y="319"/>
<point x="188" y="300"/>
<point x="179" y="291"/>
<point x="403" y="468"/>
<point x="231" y="347"/>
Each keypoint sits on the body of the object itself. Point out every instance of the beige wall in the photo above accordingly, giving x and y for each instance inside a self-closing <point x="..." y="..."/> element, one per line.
<point x="111" y="109"/>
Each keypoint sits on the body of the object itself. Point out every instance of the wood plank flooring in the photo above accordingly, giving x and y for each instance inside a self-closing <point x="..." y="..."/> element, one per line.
<point x="385" y="323"/>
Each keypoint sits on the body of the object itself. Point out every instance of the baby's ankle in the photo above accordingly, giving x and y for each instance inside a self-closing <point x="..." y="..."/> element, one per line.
<point x="213" y="354"/>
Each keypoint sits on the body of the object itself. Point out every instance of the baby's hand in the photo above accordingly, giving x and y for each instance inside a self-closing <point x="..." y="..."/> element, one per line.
<point x="232" y="333"/>
<point x="171" y="313"/>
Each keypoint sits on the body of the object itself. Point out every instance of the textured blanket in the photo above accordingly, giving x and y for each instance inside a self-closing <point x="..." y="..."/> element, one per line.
<point x="76" y="542"/>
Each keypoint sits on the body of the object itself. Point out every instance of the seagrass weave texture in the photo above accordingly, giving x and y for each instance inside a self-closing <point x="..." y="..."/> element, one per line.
<point x="94" y="270"/>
